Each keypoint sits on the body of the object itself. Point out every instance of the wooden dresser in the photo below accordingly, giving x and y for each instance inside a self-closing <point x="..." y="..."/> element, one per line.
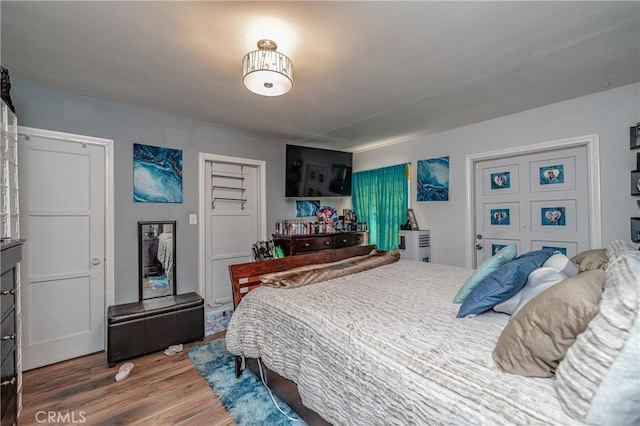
<point x="299" y="244"/>
<point x="11" y="253"/>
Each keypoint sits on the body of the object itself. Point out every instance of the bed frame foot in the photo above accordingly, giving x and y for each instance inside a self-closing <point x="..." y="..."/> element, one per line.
<point x="238" y="366"/>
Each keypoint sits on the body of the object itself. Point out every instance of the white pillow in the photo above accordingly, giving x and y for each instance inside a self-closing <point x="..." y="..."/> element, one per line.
<point x="563" y="264"/>
<point x="538" y="281"/>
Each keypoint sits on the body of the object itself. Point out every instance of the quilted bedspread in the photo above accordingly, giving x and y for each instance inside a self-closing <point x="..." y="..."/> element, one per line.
<point x="384" y="347"/>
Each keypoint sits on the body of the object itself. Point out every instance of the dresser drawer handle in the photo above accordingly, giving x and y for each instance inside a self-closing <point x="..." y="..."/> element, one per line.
<point x="8" y="382"/>
<point x="307" y="244"/>
<point x="9" y="337"/>
<point x="326" y="243"/>
<point x="344" y="240"/>
<point x="6" y="292"/>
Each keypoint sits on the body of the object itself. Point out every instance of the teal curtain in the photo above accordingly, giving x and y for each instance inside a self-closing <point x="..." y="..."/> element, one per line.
<point x="379" y="198"/>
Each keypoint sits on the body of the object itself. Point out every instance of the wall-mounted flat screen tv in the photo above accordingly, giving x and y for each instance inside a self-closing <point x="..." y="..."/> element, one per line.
<point x="315" y="172"/>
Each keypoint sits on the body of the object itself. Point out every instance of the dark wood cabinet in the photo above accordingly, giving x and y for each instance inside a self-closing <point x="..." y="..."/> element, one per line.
<point x="11" y="253"/>
<point x="298" y="244"/>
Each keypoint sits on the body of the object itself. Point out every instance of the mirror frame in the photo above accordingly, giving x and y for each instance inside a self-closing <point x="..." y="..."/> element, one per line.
<point x="141" y="225"/>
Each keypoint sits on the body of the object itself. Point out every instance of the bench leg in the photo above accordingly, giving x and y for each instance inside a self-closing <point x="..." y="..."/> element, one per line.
<point x="112" y="364"/>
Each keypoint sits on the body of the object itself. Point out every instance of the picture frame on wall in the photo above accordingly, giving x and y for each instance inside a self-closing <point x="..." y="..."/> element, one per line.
<point x="412" y="220"/>
<point x="157" y="174"/>
<point x="635" y="183"/>
<point x="634" y="136"/>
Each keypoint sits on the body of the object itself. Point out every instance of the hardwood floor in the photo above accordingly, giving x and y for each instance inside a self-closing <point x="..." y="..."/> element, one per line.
<point x="161" y="390"/>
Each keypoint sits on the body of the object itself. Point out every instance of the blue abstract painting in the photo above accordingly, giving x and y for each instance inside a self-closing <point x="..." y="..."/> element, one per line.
<point x="157" y="174"/>
<point x="500" y="217"/>
<point x="500" y="180"/>
<point x="495" y="248"/>
<point x="306" y="208"/>
<point x="433" y="179"/>
<point x="561" y="250"/>
<point x="551" y="175"/>
<point x="553" y="216"/>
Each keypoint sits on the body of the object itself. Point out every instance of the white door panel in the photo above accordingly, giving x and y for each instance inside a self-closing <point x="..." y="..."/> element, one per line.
<point x="535" y="200"/>
<point x="73" y="230"/>
<point x="62" y="170"/>
<point x="63" y="294"/>
<point x="55" y="324"/>
<point x="232" y="224"/>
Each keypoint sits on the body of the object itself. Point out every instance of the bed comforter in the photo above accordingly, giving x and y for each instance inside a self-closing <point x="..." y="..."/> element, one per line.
<point x="383" y="347"/>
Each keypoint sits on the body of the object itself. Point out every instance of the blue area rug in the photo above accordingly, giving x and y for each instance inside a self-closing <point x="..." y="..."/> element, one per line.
<point x="245" y="398"/>
<point x="159" y="282"/>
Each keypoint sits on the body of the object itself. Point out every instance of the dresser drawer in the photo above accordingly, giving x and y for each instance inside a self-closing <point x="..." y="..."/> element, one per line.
<point x="346" y="240"/>
<point x="313" y="244"/>
<point x="7" y="335"/>
<point x="7" y="291"/>
<point x="8" y="388"/>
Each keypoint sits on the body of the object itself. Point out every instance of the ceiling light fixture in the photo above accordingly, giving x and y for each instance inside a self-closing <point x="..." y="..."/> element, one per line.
<point x="267" y="72"/>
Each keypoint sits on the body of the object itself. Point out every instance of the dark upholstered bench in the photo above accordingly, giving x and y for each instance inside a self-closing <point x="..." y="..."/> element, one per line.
<point x="139" y="328"/>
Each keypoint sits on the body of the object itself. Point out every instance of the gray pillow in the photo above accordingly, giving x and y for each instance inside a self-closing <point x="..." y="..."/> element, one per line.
<point x="617" y="400"/>
<point x="538" y="281"/>
<point x="618" y="247"/>
<point x="588" y="360"/>
<point x="563" y="264"/>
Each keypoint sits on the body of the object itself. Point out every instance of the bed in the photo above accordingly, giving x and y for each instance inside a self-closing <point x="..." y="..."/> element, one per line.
<point x="384" y="346"/>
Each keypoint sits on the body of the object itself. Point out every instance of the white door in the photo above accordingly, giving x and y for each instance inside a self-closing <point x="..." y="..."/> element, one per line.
<point x="63" y="198"/>
<point x="538" y="200"/>
<point x="232" y="224"/>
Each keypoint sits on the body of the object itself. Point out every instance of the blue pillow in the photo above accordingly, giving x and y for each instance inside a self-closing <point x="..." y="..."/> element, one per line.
<point x="505" y="255"/>
<point x="502" y="283"/>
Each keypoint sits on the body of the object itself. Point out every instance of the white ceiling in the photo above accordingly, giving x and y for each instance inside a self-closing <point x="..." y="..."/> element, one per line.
<point x="364" y="72"/>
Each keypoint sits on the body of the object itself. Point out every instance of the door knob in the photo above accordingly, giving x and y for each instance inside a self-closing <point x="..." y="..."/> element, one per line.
<point x="95" y="261"/>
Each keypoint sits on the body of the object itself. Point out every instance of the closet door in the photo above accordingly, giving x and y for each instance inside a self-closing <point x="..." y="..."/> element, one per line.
<point x="233" y="225"/>
<point x="63" y="200"/>
<point x="535" y="201"/>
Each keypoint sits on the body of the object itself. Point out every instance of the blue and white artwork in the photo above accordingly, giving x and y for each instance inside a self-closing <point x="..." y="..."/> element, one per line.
<point x="495" y="248"/>
<point x="501" y="180"/>
<point x="433" y="179"/>
<point x="306" y="208"/>
<point x="551" y="175"/>
<point x="157" y="174"/>
<point x="500" y="217"/>
<point x="553" y="216"/>
<point x="561" y="250"/>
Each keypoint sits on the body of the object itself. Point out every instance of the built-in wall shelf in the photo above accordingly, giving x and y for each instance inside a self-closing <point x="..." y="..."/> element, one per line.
<point x="228" y="177"/>
<point x="634" y="144"/>
<point x="635" y="229"/>
<point x="241" y="200"/>
<point x="228" y="187"/>
<point x="223" y="188"/>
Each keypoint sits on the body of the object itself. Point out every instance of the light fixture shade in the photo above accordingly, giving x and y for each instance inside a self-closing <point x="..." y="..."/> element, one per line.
<point x="267" y="72"/>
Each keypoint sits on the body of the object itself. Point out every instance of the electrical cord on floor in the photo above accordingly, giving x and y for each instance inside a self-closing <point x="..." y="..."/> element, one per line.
<point x="271" y="395"/>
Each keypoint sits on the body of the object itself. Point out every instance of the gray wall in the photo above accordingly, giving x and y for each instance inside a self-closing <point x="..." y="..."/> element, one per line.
<point x="51" y="109"/>
<point x="608" y="113"/>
